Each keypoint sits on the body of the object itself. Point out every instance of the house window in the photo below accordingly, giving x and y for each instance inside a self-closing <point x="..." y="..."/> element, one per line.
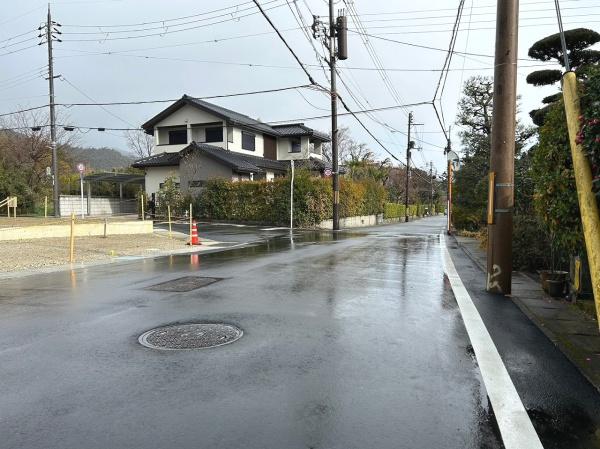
<point x="178" y="137"/>
<point x="162" y="184"/>
<point x="230" y="134"/>
<point x="196" y="183"/>
<point x="248" y="141"/>
<point x="296" y="147"/>
<point x="214" y="134"/>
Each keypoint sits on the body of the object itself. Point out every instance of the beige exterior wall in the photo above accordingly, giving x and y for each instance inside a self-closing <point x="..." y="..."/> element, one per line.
<point x="284" y="149"/>
<point x="157" y="175"/>
<point x="198" y="167"/>
<point x="236" y="145"/>
<point x="187" y="117"/>
<point x="81" y="229"/>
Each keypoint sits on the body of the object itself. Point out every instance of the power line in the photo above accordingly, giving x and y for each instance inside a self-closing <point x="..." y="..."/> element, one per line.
<point x="70" y="128"/>
<point x="310" y="78"/>
<point x="287" y="67"/>
<point x="95" y="102"/>
<point x="104" y="39"/>
<point x="441" y="84"/>
<point x="412" y="25"/>
<point x="462" y="72"/>
<point x="491" y="5"/>
<point x="363" y="111"/>
<point x="18" y="50"/>
<point x="237" y="94"/>
<point x="166" y="26"/>
<point x="157" y="21"/>
<point x="38" y="72"/>
<point x="304" y="27"/>
<point x="185" y="44"/>
<point x="24" y="110"/>
<point x="9" y="39"/>
<point x="437" y="30"/>
<point x="372" y="53"/>
<point x="427" y="47"/>
<point x="20" y="82"/>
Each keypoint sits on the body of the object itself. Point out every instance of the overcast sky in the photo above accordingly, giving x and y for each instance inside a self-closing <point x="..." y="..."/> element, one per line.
<point x="204" y="55"/>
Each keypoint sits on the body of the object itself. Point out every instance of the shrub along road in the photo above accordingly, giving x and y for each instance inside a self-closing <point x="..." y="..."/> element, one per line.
<point x="351" y="340"/>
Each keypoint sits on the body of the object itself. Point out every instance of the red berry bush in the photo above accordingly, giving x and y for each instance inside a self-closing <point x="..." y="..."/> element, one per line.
<point x="589" y="133"/>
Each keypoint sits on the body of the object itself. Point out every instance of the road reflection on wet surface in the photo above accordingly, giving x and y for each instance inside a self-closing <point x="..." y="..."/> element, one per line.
<point x="351" y="340"/>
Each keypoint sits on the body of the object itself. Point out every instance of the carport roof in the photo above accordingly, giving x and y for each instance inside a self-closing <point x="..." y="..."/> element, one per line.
<point x="117" y="178"/>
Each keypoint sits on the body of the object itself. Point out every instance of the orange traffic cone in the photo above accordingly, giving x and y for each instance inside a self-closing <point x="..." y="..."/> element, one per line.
<point x="195" y="240"/>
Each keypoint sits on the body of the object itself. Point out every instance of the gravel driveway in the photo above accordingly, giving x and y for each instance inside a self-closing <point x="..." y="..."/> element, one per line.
<point x="39" y="253"/>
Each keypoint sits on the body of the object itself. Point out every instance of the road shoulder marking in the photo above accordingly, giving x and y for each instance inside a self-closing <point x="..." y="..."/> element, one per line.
<point x="513" y="421"/>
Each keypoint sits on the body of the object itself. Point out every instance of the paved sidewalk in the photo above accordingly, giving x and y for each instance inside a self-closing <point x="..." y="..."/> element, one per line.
<point x="572" y="331"/>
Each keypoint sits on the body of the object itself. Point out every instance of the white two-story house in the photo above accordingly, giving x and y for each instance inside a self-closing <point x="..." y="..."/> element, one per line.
<point x="196" y="140"/>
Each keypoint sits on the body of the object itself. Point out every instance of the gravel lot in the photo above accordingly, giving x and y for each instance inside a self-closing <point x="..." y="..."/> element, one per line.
<point x="39" y="253"/>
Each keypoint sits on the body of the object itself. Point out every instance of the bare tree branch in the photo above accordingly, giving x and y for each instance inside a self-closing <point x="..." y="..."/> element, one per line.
<point x="140" y="143"/>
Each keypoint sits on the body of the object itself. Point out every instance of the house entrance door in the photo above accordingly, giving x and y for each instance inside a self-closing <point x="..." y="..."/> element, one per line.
<point x="270" y="147"/>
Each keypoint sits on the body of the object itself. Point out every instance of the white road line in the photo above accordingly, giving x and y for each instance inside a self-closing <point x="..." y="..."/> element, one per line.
<point x="273" y="229"/>
<point x="515" y="425"/>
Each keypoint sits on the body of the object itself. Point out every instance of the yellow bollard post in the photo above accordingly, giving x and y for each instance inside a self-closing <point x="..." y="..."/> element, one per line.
<point x="72" y="239"/>
<point x="169" y="218"/>
<point x="588" y="207"/>
<point x="142" y="201"/>
<point x="190" y="224"/>
<point x="45" y="207"/>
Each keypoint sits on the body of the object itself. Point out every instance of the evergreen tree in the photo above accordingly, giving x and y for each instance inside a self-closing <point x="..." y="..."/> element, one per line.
<point x="581" y="57"/>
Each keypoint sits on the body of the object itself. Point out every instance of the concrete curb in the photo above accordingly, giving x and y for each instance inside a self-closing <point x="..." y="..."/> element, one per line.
<point x="117" y="260"/>
<point x="585" y="360"/>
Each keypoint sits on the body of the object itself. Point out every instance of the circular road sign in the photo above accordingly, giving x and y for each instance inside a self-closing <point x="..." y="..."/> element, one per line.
<point x="81" y="167"/>
<point x="328" y="172"/>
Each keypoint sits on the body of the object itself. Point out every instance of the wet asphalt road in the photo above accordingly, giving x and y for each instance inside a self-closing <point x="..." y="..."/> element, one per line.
<point x="229" y="233"/>
<point x="351" y="340"/>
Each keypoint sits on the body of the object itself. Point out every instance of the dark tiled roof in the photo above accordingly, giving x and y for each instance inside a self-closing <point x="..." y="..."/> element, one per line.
<point x="238" y="161"/>
<point x="234" y="118"/>
<point x="158" y="160"/>
<point x="298" y="129"/>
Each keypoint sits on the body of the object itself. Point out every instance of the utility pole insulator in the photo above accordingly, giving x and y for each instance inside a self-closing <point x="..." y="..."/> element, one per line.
<point x="342" y="37"/>
<point x="315" y="27"/>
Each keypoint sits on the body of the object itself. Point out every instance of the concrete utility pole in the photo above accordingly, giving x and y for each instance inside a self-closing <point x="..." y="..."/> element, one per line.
<point x="451" y="156"/>
<point x="334" y="129"/>
<point x="501" y="186"/>
<point x="55" y="186"/>
<point x="408" y="148"/>
<point x="431" y="180"/>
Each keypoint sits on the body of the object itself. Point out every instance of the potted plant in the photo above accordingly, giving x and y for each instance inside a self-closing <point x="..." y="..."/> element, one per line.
<point x="554" y="282"/>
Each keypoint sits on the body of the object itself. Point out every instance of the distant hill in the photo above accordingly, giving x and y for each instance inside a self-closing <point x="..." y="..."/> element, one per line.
<point x="99" y="158"/>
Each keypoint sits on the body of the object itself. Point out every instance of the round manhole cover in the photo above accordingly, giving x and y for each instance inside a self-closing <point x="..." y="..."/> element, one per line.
<point x="190" y="336"/>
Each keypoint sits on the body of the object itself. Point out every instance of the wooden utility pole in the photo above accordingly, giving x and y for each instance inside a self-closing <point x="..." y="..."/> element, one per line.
<point x="500" y="205"/>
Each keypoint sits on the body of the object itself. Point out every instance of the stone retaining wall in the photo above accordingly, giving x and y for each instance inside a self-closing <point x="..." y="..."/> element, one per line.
<point x="81" y="230"/>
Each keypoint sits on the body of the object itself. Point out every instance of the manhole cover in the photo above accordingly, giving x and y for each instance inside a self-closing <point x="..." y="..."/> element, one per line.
<point x="190" y="336"/>
<point x="184" y="284"/>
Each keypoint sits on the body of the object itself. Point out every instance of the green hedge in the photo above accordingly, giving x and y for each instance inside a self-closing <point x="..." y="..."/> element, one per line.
<point x="394" y="210"/>
<point x="269" y="202"/>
